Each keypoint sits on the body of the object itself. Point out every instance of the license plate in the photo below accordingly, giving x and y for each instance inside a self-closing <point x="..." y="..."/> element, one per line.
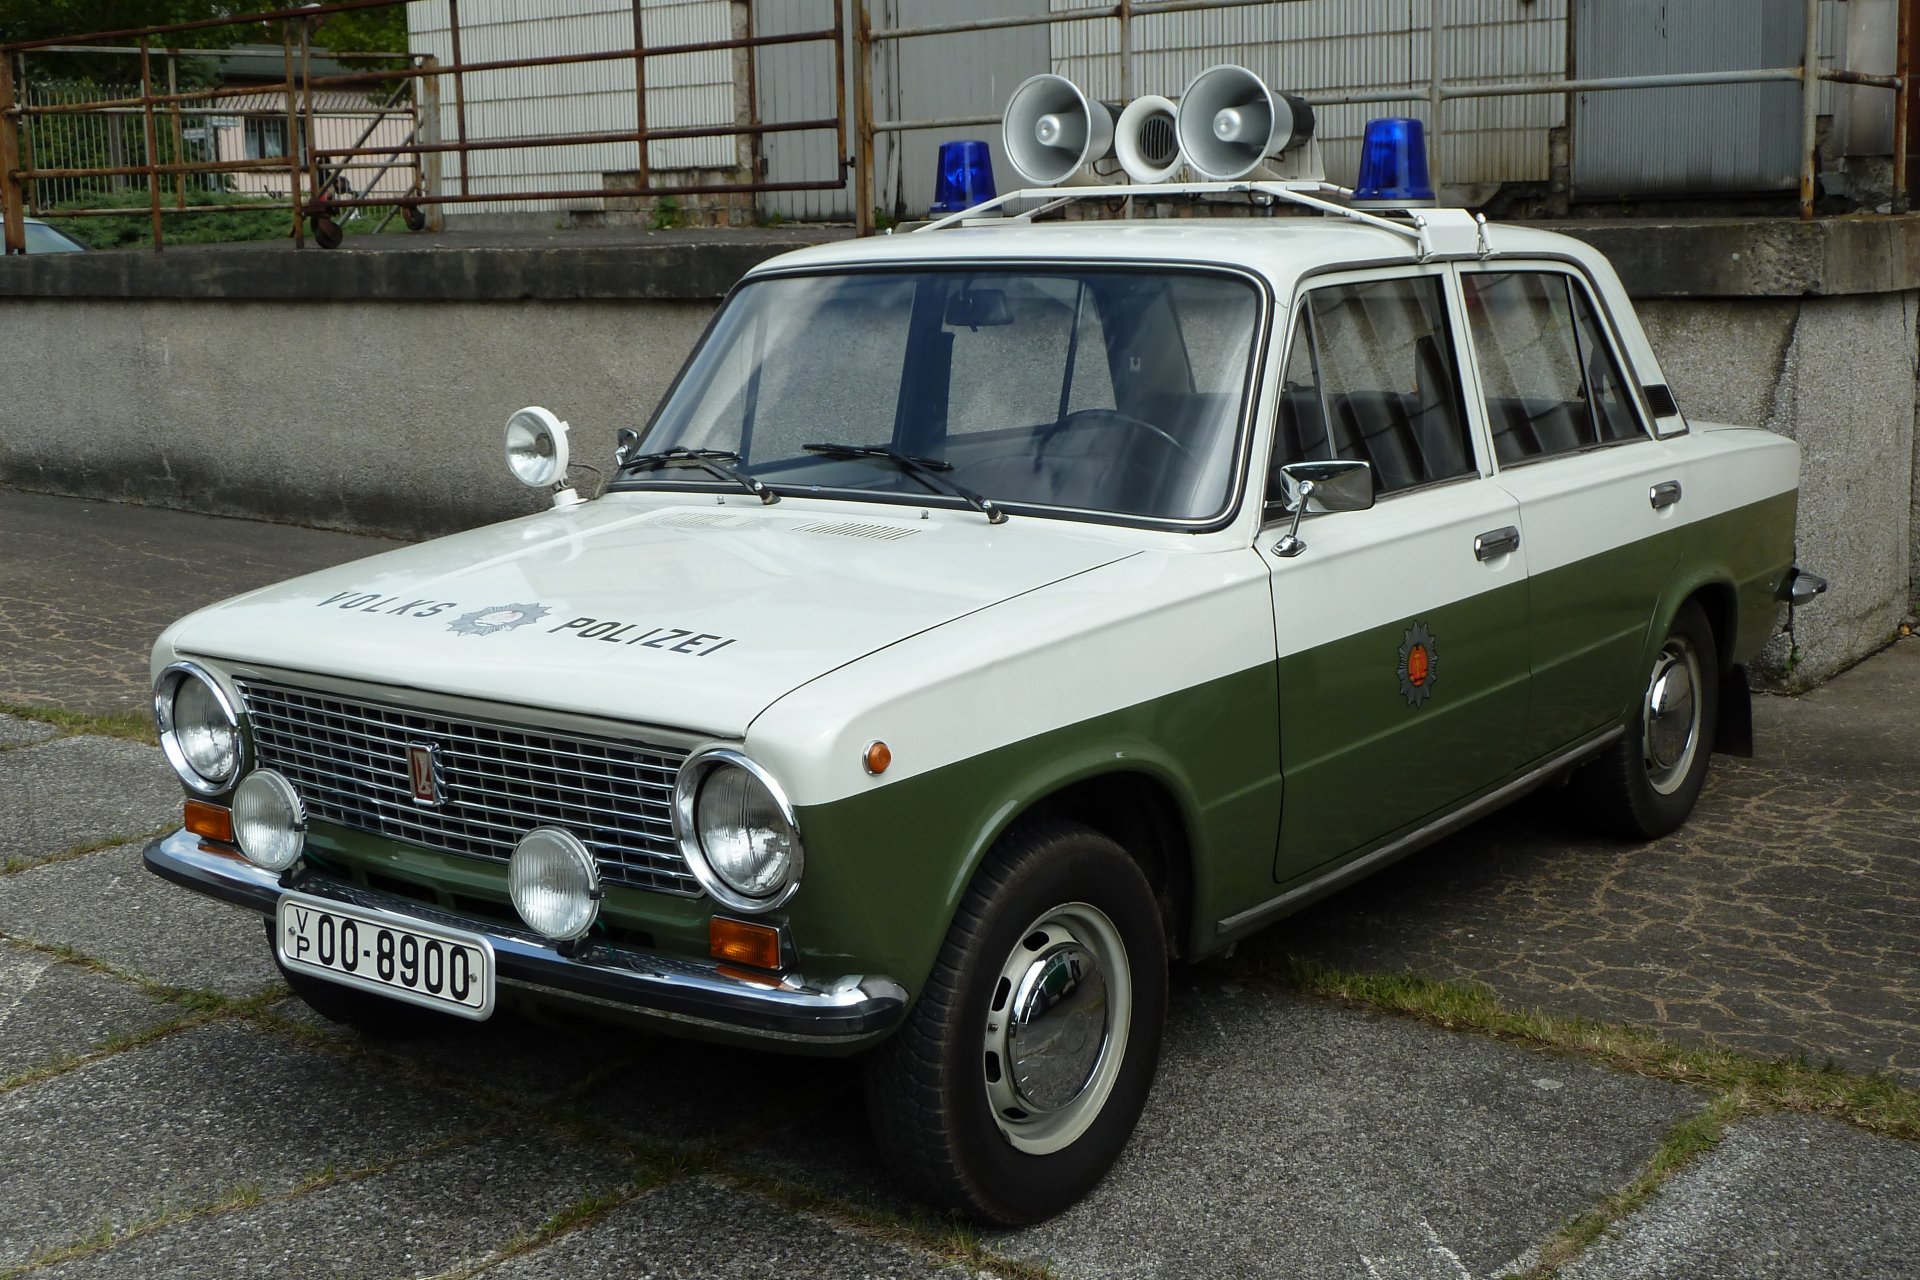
<point x="444" y="969"/>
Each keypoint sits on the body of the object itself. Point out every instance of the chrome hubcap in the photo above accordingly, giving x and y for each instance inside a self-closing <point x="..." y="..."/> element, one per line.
<point x="1671" y="716"/>
<point x="1056" y="1028"/>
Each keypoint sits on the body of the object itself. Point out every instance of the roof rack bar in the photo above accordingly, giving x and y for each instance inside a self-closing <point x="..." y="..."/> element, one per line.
<point x="1307" y="195"/>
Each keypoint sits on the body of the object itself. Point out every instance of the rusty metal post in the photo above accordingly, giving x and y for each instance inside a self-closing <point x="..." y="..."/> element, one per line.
<point x="460" y="88"/>
<point x="1809" y="110"/>
<point x="13" y="218"/>
<point x="862" y="119"/>
<point x="840" y="88"/>
<point x="1903" y="108"/>
<point x="293" y="131"/>
<point x="642" y="176"/>
<point x="179" y="138"/>
<point x="153" y="143"/>
<point x="1126" y="50"/>
<point x="427" y="128"/>
<point x="1436" y="91"/>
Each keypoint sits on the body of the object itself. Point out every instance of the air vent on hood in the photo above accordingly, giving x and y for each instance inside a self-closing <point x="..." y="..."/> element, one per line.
<point x="704" y="520"/>
<point x="858" y="529"/>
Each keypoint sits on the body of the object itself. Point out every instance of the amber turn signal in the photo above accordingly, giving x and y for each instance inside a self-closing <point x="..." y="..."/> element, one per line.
<point x="209" y="821"/>
<point x="739" y="942"/>
<point x="879" y="756"/>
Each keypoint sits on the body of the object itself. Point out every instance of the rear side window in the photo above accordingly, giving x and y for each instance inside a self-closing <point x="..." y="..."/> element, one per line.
<point x="1551" y="383"/>
<point x="1370" y="376"/>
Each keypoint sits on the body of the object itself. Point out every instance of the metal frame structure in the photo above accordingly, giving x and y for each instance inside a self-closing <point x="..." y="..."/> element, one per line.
<point x="312" y="172"/>
<point x="1438" y="90"/>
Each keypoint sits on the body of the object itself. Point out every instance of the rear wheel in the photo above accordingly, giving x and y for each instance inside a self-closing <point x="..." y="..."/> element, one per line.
<point x="1019" y="1076"/>
<point x="373" y="1016"/>
<point x="1646" y="784"/>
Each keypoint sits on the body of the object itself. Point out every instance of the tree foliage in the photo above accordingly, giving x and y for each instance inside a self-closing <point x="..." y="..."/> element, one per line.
<point x="363" y="30"/>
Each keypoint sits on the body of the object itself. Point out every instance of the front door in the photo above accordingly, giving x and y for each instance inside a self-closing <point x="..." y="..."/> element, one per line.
<point x="1401" y="631"/>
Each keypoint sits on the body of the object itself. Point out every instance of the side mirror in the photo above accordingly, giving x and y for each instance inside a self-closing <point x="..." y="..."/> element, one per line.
<point x="1321" y="487"/>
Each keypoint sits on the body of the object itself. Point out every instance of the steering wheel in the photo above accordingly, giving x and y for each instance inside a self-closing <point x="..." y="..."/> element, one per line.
<point x="1081" y="418"/>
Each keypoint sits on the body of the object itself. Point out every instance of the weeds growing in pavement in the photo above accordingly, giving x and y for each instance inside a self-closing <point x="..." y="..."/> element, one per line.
<point x="101" y="724"/>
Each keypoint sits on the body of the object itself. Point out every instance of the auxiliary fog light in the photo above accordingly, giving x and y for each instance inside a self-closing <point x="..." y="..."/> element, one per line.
<point x="554" y="883"/>
<point x="269" y="822"/>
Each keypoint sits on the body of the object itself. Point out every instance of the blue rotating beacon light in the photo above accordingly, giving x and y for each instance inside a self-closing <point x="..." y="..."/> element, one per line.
<point x="1393" y="166"/>
<point x="964" y="177"/>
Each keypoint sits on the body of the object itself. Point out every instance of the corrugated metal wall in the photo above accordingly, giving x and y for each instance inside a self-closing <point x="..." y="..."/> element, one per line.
<point x="687" y="89"/>
<point x="796" y="82"/>
<point x="1349" y="46"/>
<point x="1693" y="139"/>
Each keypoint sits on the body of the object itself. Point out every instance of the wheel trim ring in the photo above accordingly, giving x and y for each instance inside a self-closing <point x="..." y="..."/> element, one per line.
<point x="1043" y="1134"/>
<point x="1667" y="768"/>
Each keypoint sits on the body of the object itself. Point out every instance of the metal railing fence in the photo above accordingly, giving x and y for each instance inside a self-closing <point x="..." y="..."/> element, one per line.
<point x="148" y="131"/>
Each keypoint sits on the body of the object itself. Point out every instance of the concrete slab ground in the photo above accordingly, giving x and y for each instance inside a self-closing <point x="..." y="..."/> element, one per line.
<point x="231" y="1132"/>
<point x="1786" y="1197"/>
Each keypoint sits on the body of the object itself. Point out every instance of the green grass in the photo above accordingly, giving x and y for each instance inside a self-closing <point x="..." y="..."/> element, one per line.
<point x="242" y="217"/>
<point x="111" y="724"/>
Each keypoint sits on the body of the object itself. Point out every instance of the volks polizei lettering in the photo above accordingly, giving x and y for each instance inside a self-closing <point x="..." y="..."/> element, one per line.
<point x="671" y="639"/>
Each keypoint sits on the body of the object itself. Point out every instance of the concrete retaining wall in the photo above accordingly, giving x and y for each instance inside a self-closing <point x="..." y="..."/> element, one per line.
<point x="365" y="389"/>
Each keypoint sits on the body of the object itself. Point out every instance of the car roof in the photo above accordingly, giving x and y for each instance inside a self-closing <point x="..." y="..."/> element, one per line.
<point x="1282" y="248"/>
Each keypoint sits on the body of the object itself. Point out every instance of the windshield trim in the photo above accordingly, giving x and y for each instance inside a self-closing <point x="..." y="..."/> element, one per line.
<point x="1243" y="437"/>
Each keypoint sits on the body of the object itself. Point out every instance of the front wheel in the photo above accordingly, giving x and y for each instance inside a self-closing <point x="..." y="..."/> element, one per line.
<point x="1646" y="784"/>
<point x="1019" y="1076"/>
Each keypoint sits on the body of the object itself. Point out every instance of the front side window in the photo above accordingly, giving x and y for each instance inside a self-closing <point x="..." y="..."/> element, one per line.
<point x="1370" y="376"/>
<point x="1551" y="383"/>
<point x="1098" y="390"/>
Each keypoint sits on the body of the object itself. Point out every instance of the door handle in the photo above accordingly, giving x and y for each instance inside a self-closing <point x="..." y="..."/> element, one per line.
<point x="1496" y="542"/>
<point x="1664" y="494"/>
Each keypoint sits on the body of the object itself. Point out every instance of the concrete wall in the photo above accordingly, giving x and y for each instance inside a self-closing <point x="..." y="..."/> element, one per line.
<point x="380" y="418"/>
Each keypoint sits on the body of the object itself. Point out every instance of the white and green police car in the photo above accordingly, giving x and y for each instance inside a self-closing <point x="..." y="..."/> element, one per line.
<point x="987" y="616"/>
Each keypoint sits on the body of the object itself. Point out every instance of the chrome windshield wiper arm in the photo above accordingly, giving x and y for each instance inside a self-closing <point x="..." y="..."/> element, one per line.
<point x="926" y="470"/>
<point x="719" y="462"/>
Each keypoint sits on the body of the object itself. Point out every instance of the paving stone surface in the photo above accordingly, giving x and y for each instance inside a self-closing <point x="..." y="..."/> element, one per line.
<point x="694" y="1230"/>
<point x="70" y="792"/>
<point x="1783" y="918"/>
<point x="87" y="586"/>
<point x="180" y="1122"/>
<point x="50" y="1010"/>
<point x="1784" y="1198"/>
<point x="108" y="906"/>
<point x="443" y="1210"/>
<point x="1287" y="1137"/>
<point x="16" y="732"/>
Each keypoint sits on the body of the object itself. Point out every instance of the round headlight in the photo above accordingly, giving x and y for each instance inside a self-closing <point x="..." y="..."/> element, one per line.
<point x="199" y="731"/>
<point x="737" y="831"/>
<point x="554" y="883"/>
<point x="269" y="822"/>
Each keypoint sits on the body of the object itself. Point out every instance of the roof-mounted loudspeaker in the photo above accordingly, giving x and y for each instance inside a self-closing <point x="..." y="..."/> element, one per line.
<point x="1230" y="122"/>
<point x="1144" y="140"/>
<point x="1053" y="132"/>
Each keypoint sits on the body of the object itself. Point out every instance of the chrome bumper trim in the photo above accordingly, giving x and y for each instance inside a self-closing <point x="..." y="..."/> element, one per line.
<point x="839" y="1011"/>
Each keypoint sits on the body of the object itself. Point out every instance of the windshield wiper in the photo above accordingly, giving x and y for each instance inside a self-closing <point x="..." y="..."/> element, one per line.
<point x="926" y="470"/>
<point x="717" y="462"/>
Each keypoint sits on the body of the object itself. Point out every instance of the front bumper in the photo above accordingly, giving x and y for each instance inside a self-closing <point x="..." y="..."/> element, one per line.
<point x="841" y="1014"/>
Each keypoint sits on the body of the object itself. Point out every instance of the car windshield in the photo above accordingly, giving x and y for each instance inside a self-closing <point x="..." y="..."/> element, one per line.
<point x="42" y="238"/>
<point x="1104" y="390"/>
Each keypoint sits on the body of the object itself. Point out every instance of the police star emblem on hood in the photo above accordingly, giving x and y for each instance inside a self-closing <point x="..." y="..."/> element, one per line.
<point x="498" y="617"/>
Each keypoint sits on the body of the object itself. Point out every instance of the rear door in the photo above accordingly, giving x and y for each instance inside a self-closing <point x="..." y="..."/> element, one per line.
<point x="1598" y="494"/>
<point x="1402" y="631"/>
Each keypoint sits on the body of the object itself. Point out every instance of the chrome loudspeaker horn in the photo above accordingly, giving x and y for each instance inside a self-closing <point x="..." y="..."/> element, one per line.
<point x="1229" y="123"/>
<point x="1145" y="141"/>
<point x="1053" y="132"/>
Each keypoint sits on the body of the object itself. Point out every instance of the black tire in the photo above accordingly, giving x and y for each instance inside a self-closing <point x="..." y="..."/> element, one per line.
<point x="327" y="233"/>
<point x="959" y="1098"/>
<point x="1646" y="784"/>
<point x="375" y="1017"/>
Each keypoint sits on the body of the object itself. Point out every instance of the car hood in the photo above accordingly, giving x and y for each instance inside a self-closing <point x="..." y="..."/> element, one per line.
<point x="688" y="617"/>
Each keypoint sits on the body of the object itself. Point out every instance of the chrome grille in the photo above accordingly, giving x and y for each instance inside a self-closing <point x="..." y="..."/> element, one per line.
<point x="348" y="760"/>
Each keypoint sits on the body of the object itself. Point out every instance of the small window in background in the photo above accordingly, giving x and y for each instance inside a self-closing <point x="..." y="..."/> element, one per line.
<point x="1540" y="352"/>
<point x="1384" y="365"/>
